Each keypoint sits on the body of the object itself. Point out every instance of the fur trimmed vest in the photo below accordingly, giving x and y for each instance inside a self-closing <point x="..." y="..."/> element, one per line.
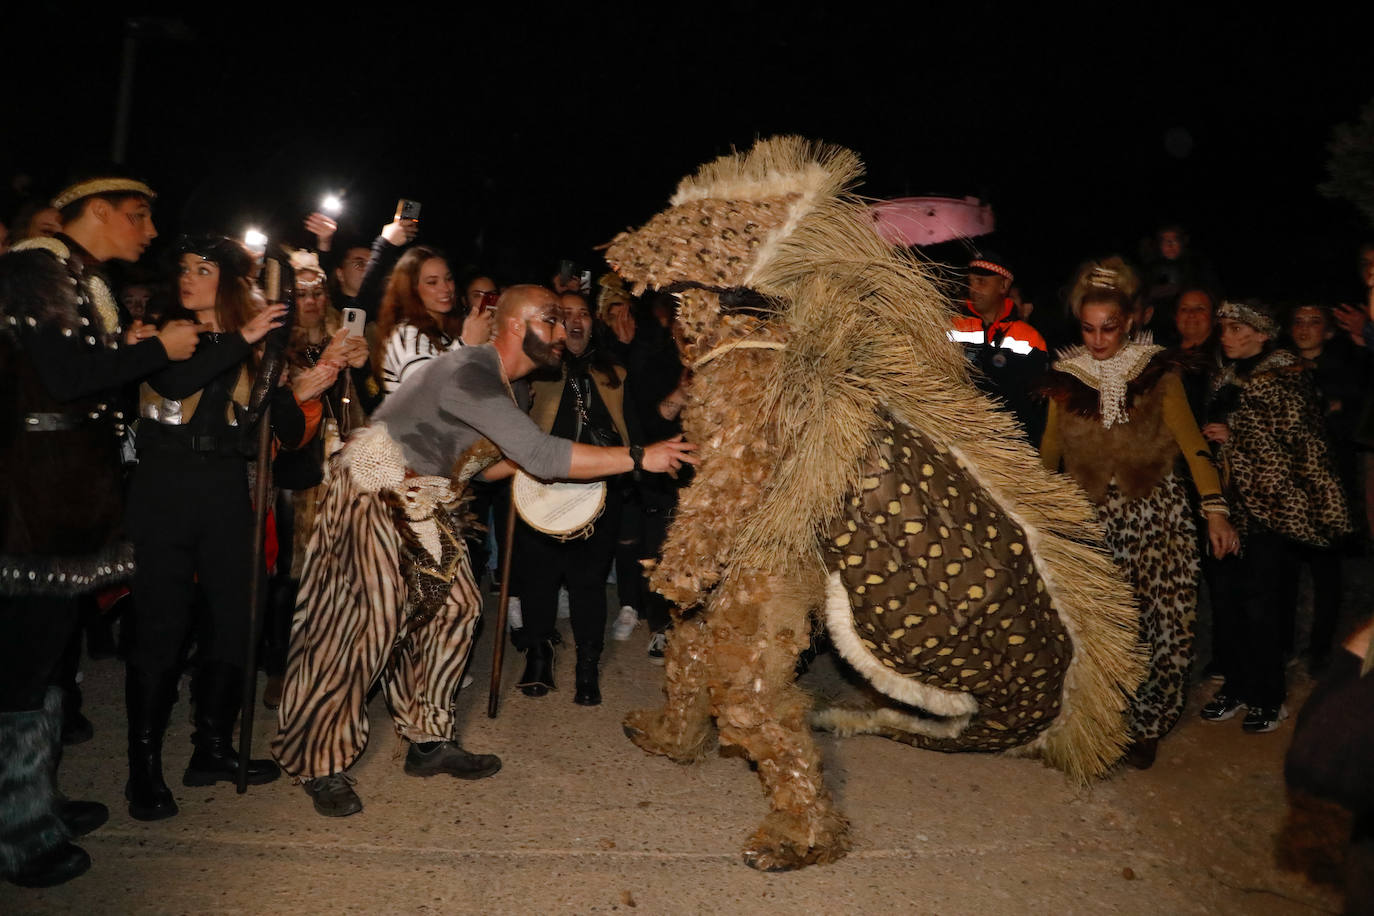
<point x="61" y="366"/>
<point x="1136" y="454"/>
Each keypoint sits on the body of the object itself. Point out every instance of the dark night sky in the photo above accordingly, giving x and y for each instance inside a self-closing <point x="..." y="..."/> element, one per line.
<point x="543" y="134"/>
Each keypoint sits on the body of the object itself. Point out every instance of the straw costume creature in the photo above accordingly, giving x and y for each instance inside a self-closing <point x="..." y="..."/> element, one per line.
<point x="851" y="471"/>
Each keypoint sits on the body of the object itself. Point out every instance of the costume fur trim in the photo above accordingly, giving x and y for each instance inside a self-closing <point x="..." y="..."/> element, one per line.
<point x="845" y="722"/>
<point x="29" y="825"/>
<point x="839" y="620"/>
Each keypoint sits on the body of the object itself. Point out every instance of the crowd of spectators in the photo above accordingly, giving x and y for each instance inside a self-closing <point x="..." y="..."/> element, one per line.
<point x="1225" y="442"/>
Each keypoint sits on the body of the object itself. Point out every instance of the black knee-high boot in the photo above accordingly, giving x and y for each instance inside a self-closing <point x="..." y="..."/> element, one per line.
<point x="149" y="699"/>
<point x="218" y="697"/>
<point x="537" y="680"/>
<point x="588" y="678"/>
<point x="34" y="842"/>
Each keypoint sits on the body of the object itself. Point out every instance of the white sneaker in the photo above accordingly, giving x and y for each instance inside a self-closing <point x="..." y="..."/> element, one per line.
<point x="564" y="612"/>
<point x="624" y="624"/>
<point x="657" y="644"/>
<point x="514" y="619"/>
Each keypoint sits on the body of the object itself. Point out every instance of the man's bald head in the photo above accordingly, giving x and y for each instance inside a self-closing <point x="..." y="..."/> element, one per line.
<point x="521" y="302"/>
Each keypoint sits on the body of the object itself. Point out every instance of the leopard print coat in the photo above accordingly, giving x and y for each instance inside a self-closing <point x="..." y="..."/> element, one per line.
<point x="1276" y="462"/>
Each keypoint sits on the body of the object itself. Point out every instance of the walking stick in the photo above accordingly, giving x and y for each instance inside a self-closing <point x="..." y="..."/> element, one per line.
<point x="279" y="285"/>
<point x="498" y="651"/>
<point x="250" y="660"/>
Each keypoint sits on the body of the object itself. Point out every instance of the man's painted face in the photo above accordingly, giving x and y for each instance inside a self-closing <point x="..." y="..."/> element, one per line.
<point x="130" y="228"/>
<point x="544" y="336"/>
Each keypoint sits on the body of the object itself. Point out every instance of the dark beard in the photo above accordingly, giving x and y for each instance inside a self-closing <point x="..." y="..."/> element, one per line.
<point x="544" y="355"/>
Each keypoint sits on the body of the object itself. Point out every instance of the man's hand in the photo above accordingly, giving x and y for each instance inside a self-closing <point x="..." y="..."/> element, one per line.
<point x="1352" y="321"/>
<point x="268" y="319"/>
<point x="323" y="228"/>
<point x="179" y="339"/>
<point x="399" y="231"/>
<point x="667" y="456"/>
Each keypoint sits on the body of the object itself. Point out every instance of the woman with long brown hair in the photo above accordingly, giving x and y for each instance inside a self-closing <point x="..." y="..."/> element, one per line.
<point x="419" y="319"/>
<point x="190" y="520"/>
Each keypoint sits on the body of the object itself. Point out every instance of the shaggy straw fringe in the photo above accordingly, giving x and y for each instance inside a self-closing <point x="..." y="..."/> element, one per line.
<point x="866" y="331"/>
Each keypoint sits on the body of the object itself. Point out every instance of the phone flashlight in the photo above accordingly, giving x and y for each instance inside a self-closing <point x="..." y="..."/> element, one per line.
<point x="331" y="204"/>
<point x="256" y="241"/>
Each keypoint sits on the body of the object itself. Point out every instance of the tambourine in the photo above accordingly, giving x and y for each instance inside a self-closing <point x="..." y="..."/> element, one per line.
<point x="564" y="509"/>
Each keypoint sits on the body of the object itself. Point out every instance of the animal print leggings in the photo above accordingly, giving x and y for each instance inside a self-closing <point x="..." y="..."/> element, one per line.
<point x="1154" y="545"/>
<point x="380" y="598"/>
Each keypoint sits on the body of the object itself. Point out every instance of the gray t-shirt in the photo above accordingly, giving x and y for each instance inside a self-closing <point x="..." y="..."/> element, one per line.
<point x="458" y="398"/>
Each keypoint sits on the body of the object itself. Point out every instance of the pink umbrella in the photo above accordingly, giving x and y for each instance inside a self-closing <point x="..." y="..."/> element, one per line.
<point x="929" y="220"/>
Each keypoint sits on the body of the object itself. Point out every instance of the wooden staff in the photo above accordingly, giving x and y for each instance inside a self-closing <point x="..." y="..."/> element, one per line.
<point x="498" y="650"/>
<point x="255" y="584"/>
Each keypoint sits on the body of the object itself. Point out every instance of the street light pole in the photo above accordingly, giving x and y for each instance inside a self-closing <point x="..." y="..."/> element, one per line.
<point x="120" y="142"/>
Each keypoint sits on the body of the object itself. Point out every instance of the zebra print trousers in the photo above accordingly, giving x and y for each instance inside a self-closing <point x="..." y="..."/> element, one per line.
<point x="373" y="603"/>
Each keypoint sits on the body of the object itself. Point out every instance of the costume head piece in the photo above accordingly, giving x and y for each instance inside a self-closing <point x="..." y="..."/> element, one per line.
<point x="1250" y="315"/>
<point x="989" y="263"/>
<point x="227" y="253"/>
<point x="1111" y="276"/>
<point x="304" y="262"/>
<point x="93" y="186"/>
<point x="612" y="291"/>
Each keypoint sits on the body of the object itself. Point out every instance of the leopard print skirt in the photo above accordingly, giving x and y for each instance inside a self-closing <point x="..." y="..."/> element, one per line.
<point x="1153" y="541"/>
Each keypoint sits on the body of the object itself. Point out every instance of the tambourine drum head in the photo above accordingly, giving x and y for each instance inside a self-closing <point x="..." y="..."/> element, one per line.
<point x="562" y="509"/>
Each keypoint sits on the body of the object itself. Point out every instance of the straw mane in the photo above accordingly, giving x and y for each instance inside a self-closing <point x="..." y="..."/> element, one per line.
<point x="865" y="327"/>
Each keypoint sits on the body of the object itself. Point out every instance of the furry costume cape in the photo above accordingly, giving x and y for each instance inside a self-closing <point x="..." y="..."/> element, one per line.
<point x="864" y="333"/>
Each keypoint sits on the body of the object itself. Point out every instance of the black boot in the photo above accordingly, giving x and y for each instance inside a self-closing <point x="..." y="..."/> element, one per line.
<point x="537" y="680"/>
<point x="34" y="842"/>
<point x="149" y="699"/>
<point x="588" y="680"/>
<point x="218" y="697"/>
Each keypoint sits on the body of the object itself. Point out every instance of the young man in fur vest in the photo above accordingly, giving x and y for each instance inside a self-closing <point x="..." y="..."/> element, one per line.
<point x="63" y="356"/>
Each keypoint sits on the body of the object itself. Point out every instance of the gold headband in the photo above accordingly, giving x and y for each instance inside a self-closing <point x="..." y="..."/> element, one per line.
<point x="101" y="186"/>
<point x="1239" y="311"/>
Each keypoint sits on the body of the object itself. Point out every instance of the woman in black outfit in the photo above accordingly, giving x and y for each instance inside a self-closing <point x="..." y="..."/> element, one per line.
<point x="190" y="520"/>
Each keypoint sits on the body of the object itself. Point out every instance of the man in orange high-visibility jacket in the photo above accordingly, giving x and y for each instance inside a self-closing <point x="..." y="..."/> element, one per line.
<point x="1008" y="353"/>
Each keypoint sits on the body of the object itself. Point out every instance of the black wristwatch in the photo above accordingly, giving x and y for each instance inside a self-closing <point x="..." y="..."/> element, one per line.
<point x="637" y="456"/>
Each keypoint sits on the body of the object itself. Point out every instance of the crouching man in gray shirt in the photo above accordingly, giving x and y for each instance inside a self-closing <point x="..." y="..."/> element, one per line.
<point x="388" y="590"/>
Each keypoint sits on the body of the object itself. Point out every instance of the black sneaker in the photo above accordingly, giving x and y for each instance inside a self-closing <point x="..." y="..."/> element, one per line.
<point x="1223" y="706"/>
<point x="446" y="757"/>
<point x="1261" y="719"/>
<point x="333" y="795"/>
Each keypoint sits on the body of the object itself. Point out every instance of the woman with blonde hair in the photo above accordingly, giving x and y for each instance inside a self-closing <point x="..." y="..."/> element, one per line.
<point x="1118" y="418"/>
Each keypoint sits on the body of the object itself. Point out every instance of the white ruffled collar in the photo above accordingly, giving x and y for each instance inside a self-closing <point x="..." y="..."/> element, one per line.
<point x="1109" y="377"/>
